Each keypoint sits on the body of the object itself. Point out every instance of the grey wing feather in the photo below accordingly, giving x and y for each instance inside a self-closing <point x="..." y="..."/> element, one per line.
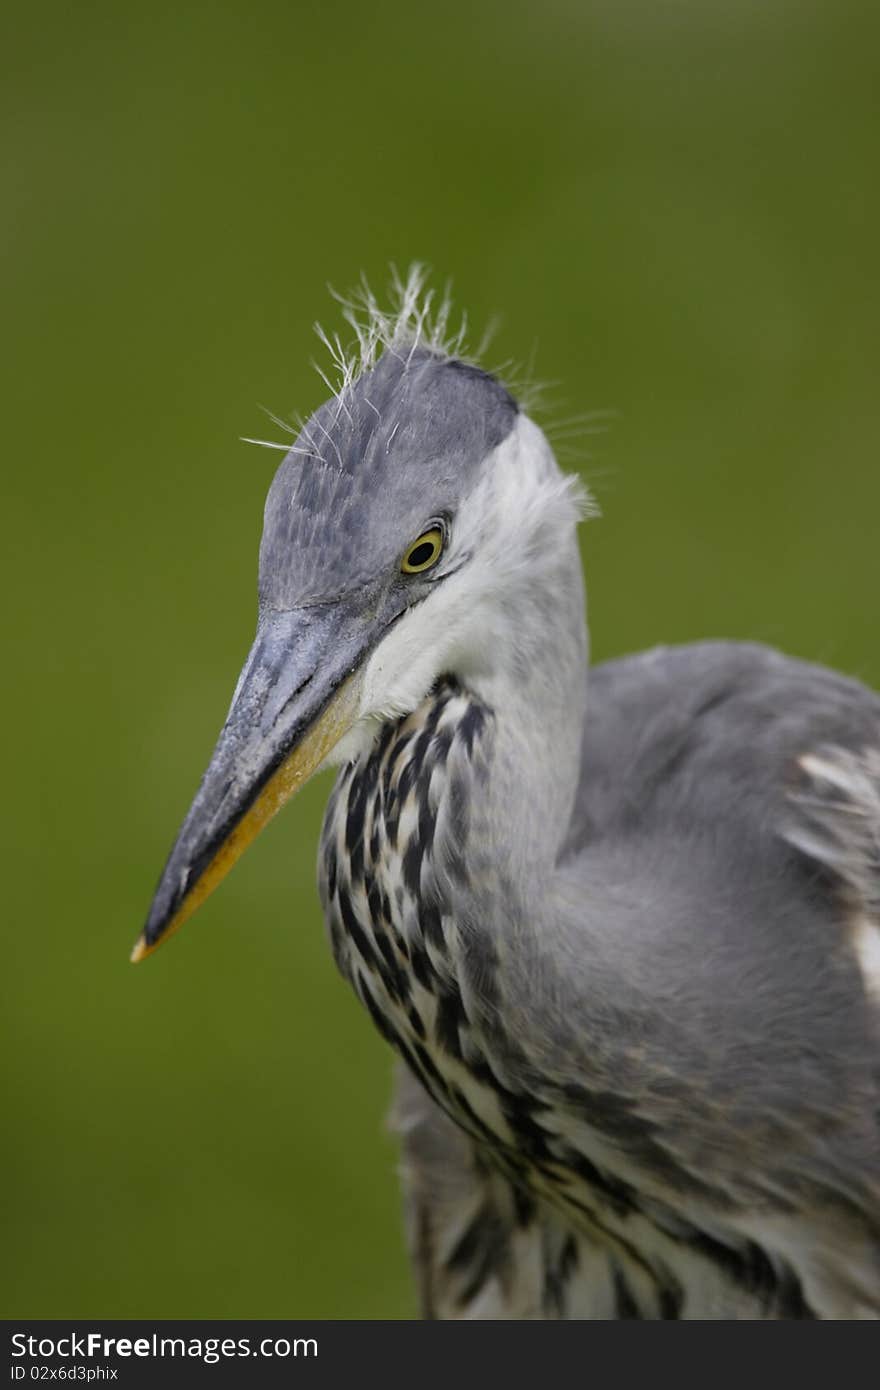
<point x="738" y="790"/>
<point x="835" y="817"/>
<point x="734" y="739"/>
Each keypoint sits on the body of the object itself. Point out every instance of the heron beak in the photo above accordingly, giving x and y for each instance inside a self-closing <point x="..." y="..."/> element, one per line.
<point x="291" y="706"/>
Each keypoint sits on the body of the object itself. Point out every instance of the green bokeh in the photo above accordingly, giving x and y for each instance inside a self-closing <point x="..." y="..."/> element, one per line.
<point x="675" y="209"/>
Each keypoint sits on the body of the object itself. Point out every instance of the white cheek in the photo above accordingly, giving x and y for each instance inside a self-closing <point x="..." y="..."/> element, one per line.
<point x="357" y="741"/>
<point x="419" y="648"/>
<point x="428" y="641"/>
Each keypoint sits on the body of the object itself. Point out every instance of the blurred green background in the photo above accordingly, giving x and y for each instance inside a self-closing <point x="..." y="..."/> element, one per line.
<point x="674" y="207"/>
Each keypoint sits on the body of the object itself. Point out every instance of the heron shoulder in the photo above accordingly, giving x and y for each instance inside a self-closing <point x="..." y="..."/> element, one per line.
<point x="695" y="736"/>
<point x="749" y="775"/>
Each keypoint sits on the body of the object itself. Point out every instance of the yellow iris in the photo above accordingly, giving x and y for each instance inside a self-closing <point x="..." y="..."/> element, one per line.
<point x="424" y="552"/>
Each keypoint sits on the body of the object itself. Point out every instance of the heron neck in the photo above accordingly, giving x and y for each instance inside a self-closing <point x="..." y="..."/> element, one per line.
<point x="536" y="690"/>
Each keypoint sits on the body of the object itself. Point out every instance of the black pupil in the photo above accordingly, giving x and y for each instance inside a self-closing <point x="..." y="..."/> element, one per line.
<point x="422" y="553"/>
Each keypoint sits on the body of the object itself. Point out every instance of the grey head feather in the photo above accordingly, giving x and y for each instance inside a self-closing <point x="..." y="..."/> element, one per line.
<point x="399" y="446"/>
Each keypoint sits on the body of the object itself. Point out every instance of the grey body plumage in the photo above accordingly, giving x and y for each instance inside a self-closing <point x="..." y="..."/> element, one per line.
<point x="730" y="1066"/>
<point x="623" y="931"/>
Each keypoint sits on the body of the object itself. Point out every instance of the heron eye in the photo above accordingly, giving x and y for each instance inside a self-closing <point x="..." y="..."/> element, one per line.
<point x="424" y="552"/>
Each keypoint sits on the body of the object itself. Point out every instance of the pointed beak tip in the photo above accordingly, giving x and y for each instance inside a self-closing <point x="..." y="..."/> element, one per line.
<point x="140" y="952"/>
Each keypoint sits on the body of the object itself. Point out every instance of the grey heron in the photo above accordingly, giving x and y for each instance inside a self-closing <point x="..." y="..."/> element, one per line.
<point x="622" y="931"/>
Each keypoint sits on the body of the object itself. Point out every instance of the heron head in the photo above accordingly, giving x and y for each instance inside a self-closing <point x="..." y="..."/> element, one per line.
<point x="393" y="529"/>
